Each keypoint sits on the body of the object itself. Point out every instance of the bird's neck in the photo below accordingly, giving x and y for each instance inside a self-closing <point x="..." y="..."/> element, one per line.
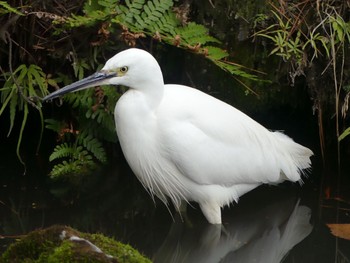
<point x="152" y="90"/>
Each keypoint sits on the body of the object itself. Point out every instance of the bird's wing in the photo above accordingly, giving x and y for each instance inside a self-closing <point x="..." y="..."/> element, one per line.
<point x="211" y="142"/>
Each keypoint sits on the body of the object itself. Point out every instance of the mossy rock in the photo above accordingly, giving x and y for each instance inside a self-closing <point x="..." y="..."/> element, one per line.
<point x="65" y="244"/>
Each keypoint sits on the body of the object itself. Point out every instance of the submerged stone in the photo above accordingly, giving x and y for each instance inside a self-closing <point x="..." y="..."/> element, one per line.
<point x="65" y="244"/>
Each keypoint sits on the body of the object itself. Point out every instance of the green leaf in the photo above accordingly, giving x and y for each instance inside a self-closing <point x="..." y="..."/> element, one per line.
<point x="6" y="101"/>
<point x="8" y="9"/>
<point x="93" y="145"/>
<point x="216" y="53"/>
<point x="13" y="105"/>
<point x="19" y="141"/>
<point x="53" y="125"/>
<point x="344" y="134"/>
<point x="61" y="151"/>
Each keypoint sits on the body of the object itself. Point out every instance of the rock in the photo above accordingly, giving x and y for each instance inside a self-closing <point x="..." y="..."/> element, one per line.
<point x="64" y="244"/>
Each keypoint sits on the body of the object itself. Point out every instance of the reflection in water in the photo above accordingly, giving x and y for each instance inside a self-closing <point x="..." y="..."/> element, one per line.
<point x="266" y="235"/>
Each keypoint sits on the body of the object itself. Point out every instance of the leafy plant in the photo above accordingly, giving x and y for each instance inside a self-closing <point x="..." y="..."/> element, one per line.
<point x="287" y="45"/>
<point x="157" y="19"/>
<point x="24" y="83"/>
<point x="82" y="148"/>
<point x="300" y="40"/>
<point x="76" y="158"/>
<point x="339" y="33"/>
<point x="96" y="107"/>
<point x="6" y="8"/>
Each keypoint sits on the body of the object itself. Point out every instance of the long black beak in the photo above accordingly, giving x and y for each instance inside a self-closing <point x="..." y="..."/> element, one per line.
<point x="91" y="81"/>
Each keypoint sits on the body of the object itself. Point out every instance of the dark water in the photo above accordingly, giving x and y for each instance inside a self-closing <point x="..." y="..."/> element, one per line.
<point x="285" y="223"/>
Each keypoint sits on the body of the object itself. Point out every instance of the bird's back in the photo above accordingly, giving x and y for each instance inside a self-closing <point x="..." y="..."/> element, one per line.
<point x="214" y="143"/>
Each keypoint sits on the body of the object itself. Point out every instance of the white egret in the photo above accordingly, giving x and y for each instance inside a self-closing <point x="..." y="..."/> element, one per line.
<point x="186" y="145"/>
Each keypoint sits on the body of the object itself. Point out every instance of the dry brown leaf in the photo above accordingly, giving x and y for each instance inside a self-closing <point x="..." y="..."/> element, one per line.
<point x="340" y="230"/>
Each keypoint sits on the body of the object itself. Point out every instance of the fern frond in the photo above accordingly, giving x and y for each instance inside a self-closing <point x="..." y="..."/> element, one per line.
<point x="65" y="168"/>
<point x="82" y="99"/>
<point x="215" y="53"/>
<point x="53" y="125"/>
<point x="158" y="20"/>
<point x="60" y="169"/>
<point x="79" y="160"/>
<point x="235" y="70"/>
<point x="193" y="34"/>
<point x="93" y="145"/>
<point x="91" y="19"/>
<point x="149" y="16"/>
<point x="62" y="151"/>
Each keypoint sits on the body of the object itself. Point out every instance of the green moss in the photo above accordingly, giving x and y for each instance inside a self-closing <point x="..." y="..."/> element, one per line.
<point x="122" y="252"/>
<point x="62" y="253"/>
<point x="48" y="246"/>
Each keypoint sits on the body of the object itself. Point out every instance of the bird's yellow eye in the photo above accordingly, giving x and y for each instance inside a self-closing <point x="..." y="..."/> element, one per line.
<point x="123" y="69"/>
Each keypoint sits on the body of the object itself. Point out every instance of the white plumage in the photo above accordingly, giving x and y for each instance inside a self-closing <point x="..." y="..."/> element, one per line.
<point x="186" y="145"/>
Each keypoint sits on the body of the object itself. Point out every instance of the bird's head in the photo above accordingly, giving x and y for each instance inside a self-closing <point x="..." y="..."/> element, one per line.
<point x="133" y="68"/>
